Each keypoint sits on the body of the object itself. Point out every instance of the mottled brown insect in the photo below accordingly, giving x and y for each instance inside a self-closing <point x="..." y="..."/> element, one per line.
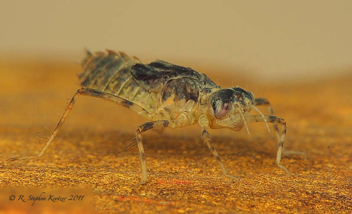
<point x="169" y="96"/>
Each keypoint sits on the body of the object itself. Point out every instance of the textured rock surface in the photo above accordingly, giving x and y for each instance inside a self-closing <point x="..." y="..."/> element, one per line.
<point x="88" y="156"/>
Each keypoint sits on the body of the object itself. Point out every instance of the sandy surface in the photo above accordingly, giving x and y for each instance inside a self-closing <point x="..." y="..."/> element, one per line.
<point x="88" y="156"/>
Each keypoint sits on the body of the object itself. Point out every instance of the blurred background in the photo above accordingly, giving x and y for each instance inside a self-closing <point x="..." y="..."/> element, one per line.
<point x="258" y="45"/>
<point x="295" y="53"/>
<point x="275" y="40"/>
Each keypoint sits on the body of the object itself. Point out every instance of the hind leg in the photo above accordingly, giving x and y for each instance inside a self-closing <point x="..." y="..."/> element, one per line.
<point x="85" y="92"/>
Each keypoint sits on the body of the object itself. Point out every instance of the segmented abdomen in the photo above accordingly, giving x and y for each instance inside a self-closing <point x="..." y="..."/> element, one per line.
<point x="111" y="73"/>
<point x="153" y="86"/>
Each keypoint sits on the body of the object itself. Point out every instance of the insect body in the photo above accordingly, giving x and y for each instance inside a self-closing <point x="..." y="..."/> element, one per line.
<point x="169" y="96"/>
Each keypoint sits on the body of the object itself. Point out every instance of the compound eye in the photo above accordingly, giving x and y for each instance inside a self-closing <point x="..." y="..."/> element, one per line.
<point x="220" y="110"/>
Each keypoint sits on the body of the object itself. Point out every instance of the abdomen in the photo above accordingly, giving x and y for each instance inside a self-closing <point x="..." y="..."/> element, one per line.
<point x="111" y="73"/>
<point x="163" y="89"/>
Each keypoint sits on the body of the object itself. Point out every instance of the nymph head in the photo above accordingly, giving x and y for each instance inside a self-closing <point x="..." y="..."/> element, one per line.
<point x="230" y="108"/>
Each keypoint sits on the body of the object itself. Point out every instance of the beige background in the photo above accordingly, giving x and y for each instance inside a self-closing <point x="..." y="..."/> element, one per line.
<point x="304" y="39"/>
<point x="274" y="39"/>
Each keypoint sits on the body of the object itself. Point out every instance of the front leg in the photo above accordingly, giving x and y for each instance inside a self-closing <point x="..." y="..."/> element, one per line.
<point x="265" y="102"/>
<point x="274" y="120"/>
